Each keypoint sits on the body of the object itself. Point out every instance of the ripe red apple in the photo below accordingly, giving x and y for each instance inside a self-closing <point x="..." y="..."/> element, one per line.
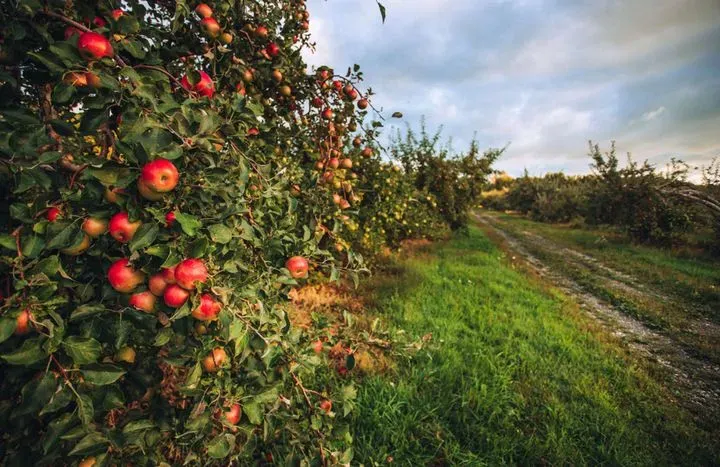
<point x="367" y="152"/>
<point x="144" y="301"/>
<point x="121" y="229"/>
<point x="169" y="275"/>
<point x="190" y="271"/>
<point x="253" y="132"/>
<point x="211" y="27"/>
<point x="214" y="360"/>
<point x="205" y="86"/>
<point x="175" y="296"/>
<point x="170" y="219"/>
<point x="233" y="415"/>
<point x="317" y="102"/>
<point x="203" y="10"/>
<point x="334" y="163"/>
<point x="123" y="277"/>
<point x="326" y="406"/>
<point x="53" y="214"/>
<point x="160" y="175"/>
<point x="327" y="177"/>
<point x="79" y="248"/>
<point x="323" y="75"/>
<point x="261" y="31"/>
<point x="147" y="193"/>
<point x="157" y="284"/>
<point x="337" y="85"/>
<point x="346" y="163"/>
<point x="305" y="25"/>
<point x="116" y="14"/>
<point x="352" y="94"/>
<point x="356" y="142"/>
<point x="272" y="49"/>
<point x="327" y="114"/>
<point x="298" y="267"/>
<point x="240" y="88"/>
<point x="363" y="104"/>
<point x="22" y="323"/>
<point x="94" y="226"/>
<point x="208" y="309"/>
<point x="94" y="46"/>
<point x="98" y="22"/>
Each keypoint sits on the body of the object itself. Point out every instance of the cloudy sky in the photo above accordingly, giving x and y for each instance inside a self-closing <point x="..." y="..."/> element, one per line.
<point x="544" y="76"/>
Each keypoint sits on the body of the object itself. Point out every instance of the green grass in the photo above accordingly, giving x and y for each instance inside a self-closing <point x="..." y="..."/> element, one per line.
<point x="514" y="374"/>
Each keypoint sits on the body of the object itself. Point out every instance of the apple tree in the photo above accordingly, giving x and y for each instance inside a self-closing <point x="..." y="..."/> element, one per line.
<point x="168" y="171"/>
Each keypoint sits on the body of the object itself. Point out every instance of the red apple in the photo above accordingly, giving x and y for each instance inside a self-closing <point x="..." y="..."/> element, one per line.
<point x="367" y="152"/>
<point x="208" y="309"/>
<point x="318" y="346"/>
<point x="157" y="284"/>
<point x="261" y="31"/>
<point x="123" y="277"/>
<point x="160" y="175"/>
<point x="147" y="193"/>
<point x="53" y="214"/>
<point x="175" y="296"/>
<point x="94" y="226"/>
<point x="323" y="75"/>
<point x="298" y="267"/>
<point x="272" y="49"/>
<point x="240" y="88"/>
<point x="346" y="163"/>
<point x="22" y="323"/>
<point x="93" y="80"/>
<point x="144" y="301"/>
<point x="169" y="275"/>
<point x="214" y="360"/>
<point x="233" y="415"/>
<point x="210" y="26"/>
<point x="116" y="14"/>
<point x="326" y="406"/>
<point x="337" y="85"/>
<point x="190" y="271"/>
<point x="170" y="219"/>
<point x="334" y="163"/>
<point x="121" y="229"/>
<point x="356" y="142"/>
<point x="205" y="86"/>
<point x="327" y="114"/>
<point x="98" y="22"/>
<point x="362" y="104"/>
<point x="253" y="132"/>
<point x="317" y="102"/>
<point x="352" y="94"/>
<point x="93" y="46"/>
<point x="203" y="10"/>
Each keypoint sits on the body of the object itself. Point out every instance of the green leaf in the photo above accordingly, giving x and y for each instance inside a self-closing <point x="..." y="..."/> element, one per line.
<point x="85" y="311"/>
<point x="35" y="394"/>
<point x="48" y="266"/>
<point x="189" y="223"/>
<point x="101" y="374"/>
<point x="59" y="401"/>
<point x="134" y="48"/>
<point x="56" y="429"/>
<point x="30" y="352"/>
<point x="86" y="410"/>
<point x="382" y="11"/>
<point x="65" y="238"/>
<point x="136" y="426"/>
<point x="144" y="237"/>
<point x="219" y="233"/>
<point x="92" y="443"/>
<point x="32" y="245"/>
<point x="253" y="411"/>
<point x="7" y="328"/>
<point x="220" y="446"/>
<point x="163" y="337"/>
<point x="63" y="92"/>
<point x="82" y="350"/>
<point x="193" y="378"/>
<point x="7" y="241"/>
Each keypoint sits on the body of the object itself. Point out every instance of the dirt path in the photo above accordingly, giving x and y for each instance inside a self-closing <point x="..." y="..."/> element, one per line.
<point x="694" y="382"/>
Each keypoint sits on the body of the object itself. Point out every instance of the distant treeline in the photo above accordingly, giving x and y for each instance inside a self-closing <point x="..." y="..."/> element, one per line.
<point x="654" y="206"/>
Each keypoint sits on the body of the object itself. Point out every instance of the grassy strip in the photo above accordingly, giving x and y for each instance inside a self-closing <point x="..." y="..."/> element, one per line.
<point x="515" y="375"/>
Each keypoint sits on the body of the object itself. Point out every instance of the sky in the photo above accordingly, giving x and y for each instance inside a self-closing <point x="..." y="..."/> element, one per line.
<point x="542" y="77"/>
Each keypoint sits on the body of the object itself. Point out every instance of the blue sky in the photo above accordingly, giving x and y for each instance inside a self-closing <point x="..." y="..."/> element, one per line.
<point x="543" y="76"/>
